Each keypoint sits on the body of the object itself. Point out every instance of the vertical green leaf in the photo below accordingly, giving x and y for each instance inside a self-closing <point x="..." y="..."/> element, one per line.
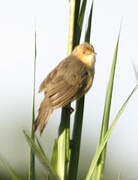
<point x="63" y="144"/>
<point x="64" y="129"/>
<point x="79" y="23"/>
<point x="89" y="24"/>
<point x="77" y="129"/>
<point x="76" y="139"/>
<point x="54" y="157"/>
<point x="32" y="155"/>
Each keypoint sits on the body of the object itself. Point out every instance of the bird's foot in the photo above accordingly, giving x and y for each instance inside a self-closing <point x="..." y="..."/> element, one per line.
<point x="70" y="109"/>
<point x="70" y="143"/>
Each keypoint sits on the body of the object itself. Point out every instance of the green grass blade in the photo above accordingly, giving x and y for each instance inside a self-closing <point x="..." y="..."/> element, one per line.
<point x="64" y="129"/>
<point x="32" y="155"/>
<point x="100" y="165"/>
<point x="88" y="31"/>
<point x="62" y="151"/>
<point x="76" y="139"/>
<point x="39" y="146"/>
<point x="79" y="23"/>
<point x="71" y="25"/>
<point x="77" y="129"/>
<point x="107" y="135"/>
<point x="8" y="167"/>
<point x="135" y="71"/>
<point x="58" y="157"/>
<point x="42" y="158"/>
<point x="54" y="158"/>
<point x="76" y="25"/>
<point x="61" y="168"/>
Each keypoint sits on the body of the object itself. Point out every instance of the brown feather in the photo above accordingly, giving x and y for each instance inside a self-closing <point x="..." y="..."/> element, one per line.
<point x="67" y="82"/>
<point x="44" y="113"/>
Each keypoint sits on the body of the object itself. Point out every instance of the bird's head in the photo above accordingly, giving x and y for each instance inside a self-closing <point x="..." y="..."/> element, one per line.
<point x="85" y="53"/>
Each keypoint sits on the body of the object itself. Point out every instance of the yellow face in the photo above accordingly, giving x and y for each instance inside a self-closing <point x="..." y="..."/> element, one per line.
<point x="85" y="53"/>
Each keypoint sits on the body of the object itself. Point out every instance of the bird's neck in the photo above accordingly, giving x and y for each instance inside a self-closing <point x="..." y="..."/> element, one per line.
<point x="89" y="60"/>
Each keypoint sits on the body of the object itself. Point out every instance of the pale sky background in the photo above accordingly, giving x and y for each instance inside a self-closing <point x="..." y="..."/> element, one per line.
<point x="17" y="19"/>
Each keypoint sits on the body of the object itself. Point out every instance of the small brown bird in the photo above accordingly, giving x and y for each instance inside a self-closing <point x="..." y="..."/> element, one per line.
<point x="71" y="79"/>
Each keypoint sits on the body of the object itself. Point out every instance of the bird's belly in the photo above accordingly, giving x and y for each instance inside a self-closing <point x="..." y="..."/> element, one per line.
<point x="89" y="84"/>
<point x="85" y="89"/>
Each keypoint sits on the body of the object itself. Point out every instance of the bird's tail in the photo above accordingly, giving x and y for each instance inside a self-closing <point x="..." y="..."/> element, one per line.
<point x="44" y="113"/>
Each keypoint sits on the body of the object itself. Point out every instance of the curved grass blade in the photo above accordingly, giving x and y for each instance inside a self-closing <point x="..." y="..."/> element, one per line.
<point x="42" y="158"/>
<point x="107" y="135"/>
<point x="8" y="167"/>
<point x="101" y="162"/>
<point x="77" y="129"/>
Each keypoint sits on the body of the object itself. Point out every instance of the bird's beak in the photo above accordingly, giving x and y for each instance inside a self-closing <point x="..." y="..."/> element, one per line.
<point x="94" y="53"/>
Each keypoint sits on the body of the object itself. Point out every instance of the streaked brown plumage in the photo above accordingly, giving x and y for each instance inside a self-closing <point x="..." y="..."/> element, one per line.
<point x="71" y="79"/>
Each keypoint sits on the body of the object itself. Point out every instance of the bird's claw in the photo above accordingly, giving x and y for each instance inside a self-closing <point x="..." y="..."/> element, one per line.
<point x="70" y="109"/>
<point x="70" y="143"/>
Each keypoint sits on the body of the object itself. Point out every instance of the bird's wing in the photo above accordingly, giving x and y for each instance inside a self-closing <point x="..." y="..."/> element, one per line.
<point x="66" y="82"/>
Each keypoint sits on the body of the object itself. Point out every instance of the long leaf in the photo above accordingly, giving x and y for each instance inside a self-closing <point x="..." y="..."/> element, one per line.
<point x="42" y="158"/>
<point x="77" y="129"/>
<point x="100" y="165"/>
<point x="89" y="24"/>
<point x="107" y="135"/>
<point x="79" y="23"/>
<point x="64" y="129"/>
<point x="54" y="158"/>
<point x="32" y="155"/>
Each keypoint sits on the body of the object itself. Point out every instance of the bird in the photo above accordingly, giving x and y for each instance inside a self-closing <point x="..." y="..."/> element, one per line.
<point x="67" y="82"/>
